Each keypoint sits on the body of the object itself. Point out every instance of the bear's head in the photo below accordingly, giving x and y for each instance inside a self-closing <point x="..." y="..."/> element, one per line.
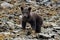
<point x="26" y="11"/>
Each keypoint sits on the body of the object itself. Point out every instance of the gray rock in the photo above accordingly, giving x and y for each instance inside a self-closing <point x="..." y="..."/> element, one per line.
<point x="17" y="38"/>
<point x="58" y="4"/>
<point x="28" y="0"/>
<point x="54" y="24"/>
<point x="7" y="5"/>
<point x="58" y="31"/>
<point x="42" y="35"/>
<point x="8" y="0"/>
<point x="56" y="28"/>
<point x="11" y="25"/>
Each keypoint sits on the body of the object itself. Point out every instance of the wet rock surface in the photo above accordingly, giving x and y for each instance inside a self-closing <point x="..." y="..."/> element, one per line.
<point x="11" y="17"/>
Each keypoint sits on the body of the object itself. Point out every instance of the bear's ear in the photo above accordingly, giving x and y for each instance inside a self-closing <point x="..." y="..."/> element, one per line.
<point x="22" y="8"/>
<point x="29" y="8"/>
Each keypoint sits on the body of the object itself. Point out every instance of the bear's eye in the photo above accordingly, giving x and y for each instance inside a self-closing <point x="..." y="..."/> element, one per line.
<point x="25" y="12"/>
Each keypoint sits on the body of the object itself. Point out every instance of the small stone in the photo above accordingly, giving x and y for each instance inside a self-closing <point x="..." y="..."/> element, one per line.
<point x="20" y="16"/>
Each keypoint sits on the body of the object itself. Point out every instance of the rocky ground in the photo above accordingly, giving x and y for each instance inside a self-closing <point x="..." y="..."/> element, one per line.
<point x="10" y="19"/>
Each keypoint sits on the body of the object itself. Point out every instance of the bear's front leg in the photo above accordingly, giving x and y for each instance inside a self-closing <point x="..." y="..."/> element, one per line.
<point x="23" y="25"/>
<point x="22" y="32"/>
<point x="33" y="25"/>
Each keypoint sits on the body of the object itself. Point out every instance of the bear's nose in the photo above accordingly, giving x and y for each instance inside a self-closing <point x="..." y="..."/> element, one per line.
<point x="25" y="15"/>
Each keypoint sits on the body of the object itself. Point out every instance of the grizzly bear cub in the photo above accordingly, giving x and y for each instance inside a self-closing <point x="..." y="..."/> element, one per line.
<point x="34" y="19"/>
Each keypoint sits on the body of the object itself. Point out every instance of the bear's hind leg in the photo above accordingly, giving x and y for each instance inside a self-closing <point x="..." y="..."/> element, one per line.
<point x="38" y="29"/>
